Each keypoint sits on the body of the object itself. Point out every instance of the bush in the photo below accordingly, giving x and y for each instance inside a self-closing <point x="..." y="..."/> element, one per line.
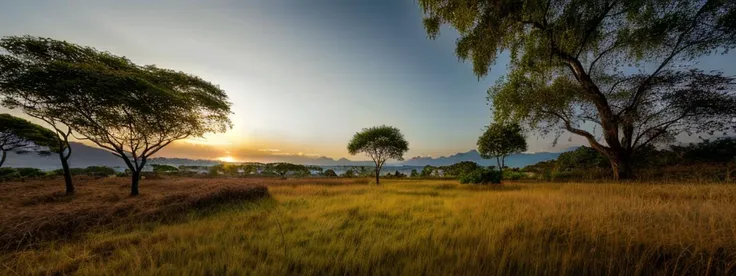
<point x="30" y="172"/>
<point x="481" y="176"/>
<point x="330" y="173"/>
<point x="99" y="171"/>
<point x="513" y="175"/>
<point x="8" y="173"/>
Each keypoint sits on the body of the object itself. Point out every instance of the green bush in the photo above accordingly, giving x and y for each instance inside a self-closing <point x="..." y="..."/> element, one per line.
<point x="8" y="173"/>
<point x="30" y="172"/>
<point x="512" y="175"/>
<point x="481" y="176"/>
<point x="99" y="171"/>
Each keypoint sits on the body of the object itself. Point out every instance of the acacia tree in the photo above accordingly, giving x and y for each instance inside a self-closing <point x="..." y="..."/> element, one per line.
<point x="624" y="67"/>
<point x="379" y="143"/>
<point x="132" y="111"/>
<point x="18" y="89"/>
<point x="501" y="140"/>
<point x="17" y="134"/>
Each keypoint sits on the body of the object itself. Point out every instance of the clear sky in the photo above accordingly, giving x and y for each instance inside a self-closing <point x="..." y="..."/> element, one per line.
<point x="303" y="76"/>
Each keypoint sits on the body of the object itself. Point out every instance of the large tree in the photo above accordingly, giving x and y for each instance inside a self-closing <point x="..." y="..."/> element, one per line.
<point x="18" y="89"/>
<point x="133" y="111"/>
<point x="625" y="68"/>
<point x="501" y="140"/>
<point x="19" y="135"/>
<point x="380" y="143"/>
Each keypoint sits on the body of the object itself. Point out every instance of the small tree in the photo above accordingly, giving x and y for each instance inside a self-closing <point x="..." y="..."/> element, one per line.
<point x="19" y="135"/>
<point x="130" y="110"/>
<point x="330" y="173"/>
<point x="427" y="171"/>
<point x="501" y="140"/>
<point x="282" y="169"/>
<point x="414" y="173"/>
<point x="379" y="143"/>
<point x="162" y="168"/>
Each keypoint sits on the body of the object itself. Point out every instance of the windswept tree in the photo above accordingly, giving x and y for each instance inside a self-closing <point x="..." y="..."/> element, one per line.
<point x="132" y="111"/>
<point x="19" y="135"/>
<point x="19" y="65"/>
<point x="380" y="143"/>
<point x="622" y="67"/>
<point x="501" y="140"/>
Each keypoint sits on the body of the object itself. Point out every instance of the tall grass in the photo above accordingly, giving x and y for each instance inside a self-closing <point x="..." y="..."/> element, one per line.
<point x="424" y="228"/>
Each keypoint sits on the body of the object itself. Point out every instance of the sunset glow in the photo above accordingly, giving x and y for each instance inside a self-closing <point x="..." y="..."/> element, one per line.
<point x="228" y="159"/>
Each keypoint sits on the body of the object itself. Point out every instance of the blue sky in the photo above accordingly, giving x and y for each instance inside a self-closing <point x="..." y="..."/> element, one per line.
<point x="303" y="76"/>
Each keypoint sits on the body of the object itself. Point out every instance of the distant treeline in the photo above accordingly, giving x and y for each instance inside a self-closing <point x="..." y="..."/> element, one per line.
<point x="709" y="160"/>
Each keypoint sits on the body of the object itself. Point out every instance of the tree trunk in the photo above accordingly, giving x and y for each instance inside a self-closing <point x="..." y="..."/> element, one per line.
<point x="621" y="165"/>
<point x="378" y="172"/>
<point x="500" y="166"/>
<point x="134" y="184"/>
<point x="2" y="159"/>
<point x="67" y="175"/>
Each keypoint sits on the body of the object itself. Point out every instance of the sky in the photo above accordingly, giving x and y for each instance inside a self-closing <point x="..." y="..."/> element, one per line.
<point x="303" y="76"/>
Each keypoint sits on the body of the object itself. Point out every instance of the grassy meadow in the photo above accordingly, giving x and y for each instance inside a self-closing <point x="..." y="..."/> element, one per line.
<point x="419" y="227"/>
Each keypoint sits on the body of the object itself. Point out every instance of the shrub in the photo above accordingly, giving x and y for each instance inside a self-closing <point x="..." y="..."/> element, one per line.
<point x="161" y="168"/>
<point x="512" y="175"/>
<point x="30" y="172"/>
<point x="8" y="173"/>
<point x="330" y="173"/>
<point x="481" y="176"/>
<point x="99" y="171"/>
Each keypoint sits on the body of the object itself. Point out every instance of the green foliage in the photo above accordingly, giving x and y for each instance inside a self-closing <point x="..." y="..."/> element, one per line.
<point x="571" y="66"/>
<point x="501" y="140"/>
<point x="99" y="171"/>
<point x="282" y="169"/>
<point x="481" y="176"/>
<point x="582" y="158"/>
<point x="414" y="173"/>
<point x="330" y="173"/>
<point x="348" y="174"/>
<point x="459" y="168"/>
<point x="380" y="143"/>
<point x="427" y="171"/>
<point x="8" y="174"/>
<point x="130" y="110"/>
<point x="161" y="168"/>
<point x="17" y="134"/>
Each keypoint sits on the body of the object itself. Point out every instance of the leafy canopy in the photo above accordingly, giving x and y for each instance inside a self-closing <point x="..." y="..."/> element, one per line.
<point x="131" y="110"/>
<point x="626" y="67"/>
<point x="380" y="143"/>
<point x="501" y="140"/>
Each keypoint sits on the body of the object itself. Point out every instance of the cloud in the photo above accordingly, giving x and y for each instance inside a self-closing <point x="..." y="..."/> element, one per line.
<point x="269" y="150"/>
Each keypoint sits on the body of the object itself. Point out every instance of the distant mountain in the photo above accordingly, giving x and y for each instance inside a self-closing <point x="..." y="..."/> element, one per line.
<point x="84" y="156"/>
<point x="514" y="160"/>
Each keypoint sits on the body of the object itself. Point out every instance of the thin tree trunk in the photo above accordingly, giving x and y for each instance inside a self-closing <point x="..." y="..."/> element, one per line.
<point x="134" y="184"/>
<point x="378" y="172"/>
<point x="2" y="159"/>
<point x="500" y="167"/>
<point x="67" y="175"/>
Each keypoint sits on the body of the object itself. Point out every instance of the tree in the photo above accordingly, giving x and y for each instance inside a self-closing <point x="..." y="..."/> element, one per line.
<point x="460" y="168"/>
<point x="17" y="134"/>
<point x="330" y="173"/>
<point x="282" y="169"/>
<point x="501" y="140"/>
<point x="132" y="111"/>
<point x="623" y="66"/>
<point x="414" y="173"/>
<point x="427" y="171"/>
<point x="379" y="143"/>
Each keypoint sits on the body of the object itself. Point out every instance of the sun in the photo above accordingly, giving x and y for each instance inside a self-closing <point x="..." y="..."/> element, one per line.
<point x="228" y="159"/>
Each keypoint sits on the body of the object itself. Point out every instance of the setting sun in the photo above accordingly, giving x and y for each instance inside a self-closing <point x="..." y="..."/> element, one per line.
<point x="228" y="159"/>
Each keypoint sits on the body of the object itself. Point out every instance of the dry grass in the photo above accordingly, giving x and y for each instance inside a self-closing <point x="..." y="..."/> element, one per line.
<point x="37" y="211"/>
<point x="423" y="228"/>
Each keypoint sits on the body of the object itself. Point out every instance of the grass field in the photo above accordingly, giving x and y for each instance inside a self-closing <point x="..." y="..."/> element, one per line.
<point x="347" y="227"/>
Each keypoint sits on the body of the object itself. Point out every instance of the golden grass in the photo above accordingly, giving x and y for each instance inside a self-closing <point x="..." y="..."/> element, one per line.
<point x="38" y="211"/>
<point x="423" y="228"/>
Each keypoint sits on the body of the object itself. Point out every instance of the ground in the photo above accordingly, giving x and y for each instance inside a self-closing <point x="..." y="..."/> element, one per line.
<point x="426" y="227"/>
